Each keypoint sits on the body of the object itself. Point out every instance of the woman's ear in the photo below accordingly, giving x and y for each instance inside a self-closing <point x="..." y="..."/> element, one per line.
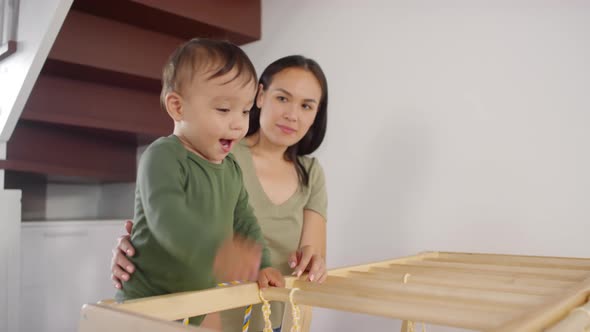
<point x="260" y="95"/>
<point x="174" y="106"/>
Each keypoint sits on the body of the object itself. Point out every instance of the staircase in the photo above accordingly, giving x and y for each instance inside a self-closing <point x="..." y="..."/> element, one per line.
<point x="97" y="96"/>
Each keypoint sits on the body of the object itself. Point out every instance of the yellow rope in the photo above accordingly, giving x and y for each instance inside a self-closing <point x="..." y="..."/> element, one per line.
<point x="411" y="325"/>
<point x="265" y="313"/>
<point x="295" y="311"/>
<point x="582" y="309"/>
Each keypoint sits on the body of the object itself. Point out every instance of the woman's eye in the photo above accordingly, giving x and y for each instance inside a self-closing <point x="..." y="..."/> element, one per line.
<point x="307" y="107"/>
<point x="281" y="98"/>
<point x="223" y="110"/>
<point x="246" y="112"/>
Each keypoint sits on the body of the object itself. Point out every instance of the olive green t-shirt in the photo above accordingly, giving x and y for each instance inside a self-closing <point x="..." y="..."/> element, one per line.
<point x="185" y="207"/>
<point x="281" y="226"/>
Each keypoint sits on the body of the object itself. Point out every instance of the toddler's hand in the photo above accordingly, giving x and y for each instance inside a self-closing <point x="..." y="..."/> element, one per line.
<point x="270" y="277"/>
<point x="238" y="258"/>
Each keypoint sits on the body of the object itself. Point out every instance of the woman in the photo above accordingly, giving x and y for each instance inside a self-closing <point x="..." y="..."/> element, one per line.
<point x="286" y="187"/>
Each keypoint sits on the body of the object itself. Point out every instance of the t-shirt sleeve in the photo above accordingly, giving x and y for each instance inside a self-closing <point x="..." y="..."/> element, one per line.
<point x="318" y="199"/>
<point x="161" y="177"/>
<point x="246" y="223"/>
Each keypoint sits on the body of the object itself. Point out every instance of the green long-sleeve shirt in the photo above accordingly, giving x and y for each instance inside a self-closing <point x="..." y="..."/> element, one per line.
<point x="185" y="207"/>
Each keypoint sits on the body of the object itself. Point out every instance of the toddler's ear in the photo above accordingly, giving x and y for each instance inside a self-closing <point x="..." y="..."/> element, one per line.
<point x="174" y="106"/>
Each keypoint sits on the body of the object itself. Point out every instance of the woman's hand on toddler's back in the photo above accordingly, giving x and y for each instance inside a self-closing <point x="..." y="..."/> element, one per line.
<point x="121" y="266"/>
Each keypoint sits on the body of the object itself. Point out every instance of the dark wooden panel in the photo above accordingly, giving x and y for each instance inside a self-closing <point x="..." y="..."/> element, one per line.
<point x="235" y="20"/>
<point x="106" y="44"/>
<point x="55" y="150"/>
<point x="84" y="104"/>
<point x="101" y="76"/>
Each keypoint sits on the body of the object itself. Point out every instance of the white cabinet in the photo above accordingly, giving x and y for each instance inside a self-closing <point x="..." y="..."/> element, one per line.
<point x="63" y="266"/>
<point x="9" y="261"/>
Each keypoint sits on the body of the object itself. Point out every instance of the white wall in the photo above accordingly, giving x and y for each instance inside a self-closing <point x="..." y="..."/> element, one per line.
<point x="38" y="25"/>
<point x="2" y="156"/>
<point x="470" y="122"/>
<point x="9" y="259"/>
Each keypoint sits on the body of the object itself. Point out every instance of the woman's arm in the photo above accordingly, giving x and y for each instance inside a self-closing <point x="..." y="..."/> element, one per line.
<point x="314" y="232"/>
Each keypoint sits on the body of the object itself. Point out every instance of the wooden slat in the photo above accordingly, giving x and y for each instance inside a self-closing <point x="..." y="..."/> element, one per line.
<point x="98" y="318"/>
<point x="383" y="289"/>
<point x="424" y="270"/>
<point x="366" y="267"/>
<point x="515" y="260"/>
<point x="567" y="275"/>
<point x="540" y="271"/>
<point x="409" y="310"/>
<point x="459" y="304"/>
<point x="517" y="286"/>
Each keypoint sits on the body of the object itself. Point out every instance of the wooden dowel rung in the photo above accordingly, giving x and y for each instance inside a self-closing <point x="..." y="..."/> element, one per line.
<point x="517" y="286"/>
<point x="401" y="309"/>
<point x="578" y="319"/>
<point x="549" y="313"/>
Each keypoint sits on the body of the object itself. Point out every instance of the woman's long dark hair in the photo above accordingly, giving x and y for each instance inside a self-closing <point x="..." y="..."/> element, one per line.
<point x="315" y="135"/>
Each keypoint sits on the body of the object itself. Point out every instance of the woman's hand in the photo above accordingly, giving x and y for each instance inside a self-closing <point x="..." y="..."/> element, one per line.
<point x="307" y="259"/>
<point x="121" y="266"/>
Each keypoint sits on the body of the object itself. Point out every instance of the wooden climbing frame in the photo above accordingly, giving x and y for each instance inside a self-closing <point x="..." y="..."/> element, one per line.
<point x="483" y="292"/>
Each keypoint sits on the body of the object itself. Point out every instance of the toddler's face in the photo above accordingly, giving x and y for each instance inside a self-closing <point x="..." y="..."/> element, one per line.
<point x="216" y="113"/>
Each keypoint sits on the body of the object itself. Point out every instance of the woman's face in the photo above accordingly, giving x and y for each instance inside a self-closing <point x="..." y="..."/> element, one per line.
<point x="288" y="106"/>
